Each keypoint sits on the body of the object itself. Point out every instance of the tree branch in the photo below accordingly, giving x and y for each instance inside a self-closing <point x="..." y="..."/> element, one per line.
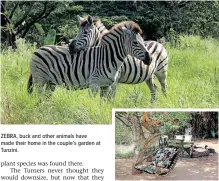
<point x="13" y="10"/>
<point x="24" y="17"/>
<point x="28" y="25"/>
<point x="120" y="117"/>
<point x="37" y="20"/>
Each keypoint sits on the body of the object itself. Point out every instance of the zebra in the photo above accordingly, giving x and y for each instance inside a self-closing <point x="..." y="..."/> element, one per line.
<point x="132" y="71"/>
<point x="93" y="68"/>
<point x="87" y="36"/>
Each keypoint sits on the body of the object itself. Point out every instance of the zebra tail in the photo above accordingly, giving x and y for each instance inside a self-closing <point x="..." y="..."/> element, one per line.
<point x="30" y="85"/>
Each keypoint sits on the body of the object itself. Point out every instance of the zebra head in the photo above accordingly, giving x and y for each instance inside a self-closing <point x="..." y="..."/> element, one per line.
<point x="130" y="41"/>
<point x="87" y="35"/>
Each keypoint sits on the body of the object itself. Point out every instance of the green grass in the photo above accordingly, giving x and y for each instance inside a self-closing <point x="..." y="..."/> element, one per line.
<point x="193" y="82"/>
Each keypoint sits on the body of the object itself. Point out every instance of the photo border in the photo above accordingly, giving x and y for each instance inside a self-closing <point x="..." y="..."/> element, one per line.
<point x="114" y="110"/>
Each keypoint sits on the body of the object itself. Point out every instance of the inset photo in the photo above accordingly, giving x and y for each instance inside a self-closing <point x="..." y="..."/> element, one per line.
<point x="166" y="145"/>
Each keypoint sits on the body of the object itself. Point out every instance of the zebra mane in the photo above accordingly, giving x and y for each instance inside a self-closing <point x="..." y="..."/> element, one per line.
<point x="131" y="25"/>
<point x="96" y="19"/>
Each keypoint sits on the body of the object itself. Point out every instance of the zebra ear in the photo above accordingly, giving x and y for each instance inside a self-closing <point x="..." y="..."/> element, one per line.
<point x="90" y="20"/>
<point x="126" y="30"/>
<point x="80" y="19"/>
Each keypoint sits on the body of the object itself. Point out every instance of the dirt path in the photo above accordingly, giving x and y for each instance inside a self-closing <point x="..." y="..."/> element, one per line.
<point x="204" y="168"/>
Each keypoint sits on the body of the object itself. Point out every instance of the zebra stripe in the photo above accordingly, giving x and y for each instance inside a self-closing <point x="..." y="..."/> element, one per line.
<point x="95" y="67"/>
<point x="133" y="71"/>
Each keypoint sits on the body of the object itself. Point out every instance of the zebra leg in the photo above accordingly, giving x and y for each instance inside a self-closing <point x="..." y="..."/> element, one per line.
<point x="45" y="90"/>
<point x="50" y="88"/>
<point x="152" y="87"/>
<point x="162" y="79"/>
<point x="104" y="91"/>
<point x="112" y="92"/>
<point x="108" y="92"/>
<point x="94" y="89"/>
<point x="94" y="84"/>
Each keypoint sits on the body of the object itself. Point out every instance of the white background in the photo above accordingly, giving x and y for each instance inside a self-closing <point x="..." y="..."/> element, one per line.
<point x="92" y="156"/>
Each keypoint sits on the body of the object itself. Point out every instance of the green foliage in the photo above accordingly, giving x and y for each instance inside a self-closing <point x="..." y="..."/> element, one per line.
<point x="123" y="134"/>
<point x="173" y="37"/>
<point x="42" y="38"/>
<point x="68" y="31"/>
<point x="130" y="154"/>
<point x="169" y="126"/>
<point x="50" y="37"/>
<point x="205" y="124"/>
<point x="39" y="29"/>
<point x="213" y="134"/>
<point x="156" y="18"/>
<point x="39" y="35"/>
<point x="107" y="22"/>
<point x="75" y="9"/>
